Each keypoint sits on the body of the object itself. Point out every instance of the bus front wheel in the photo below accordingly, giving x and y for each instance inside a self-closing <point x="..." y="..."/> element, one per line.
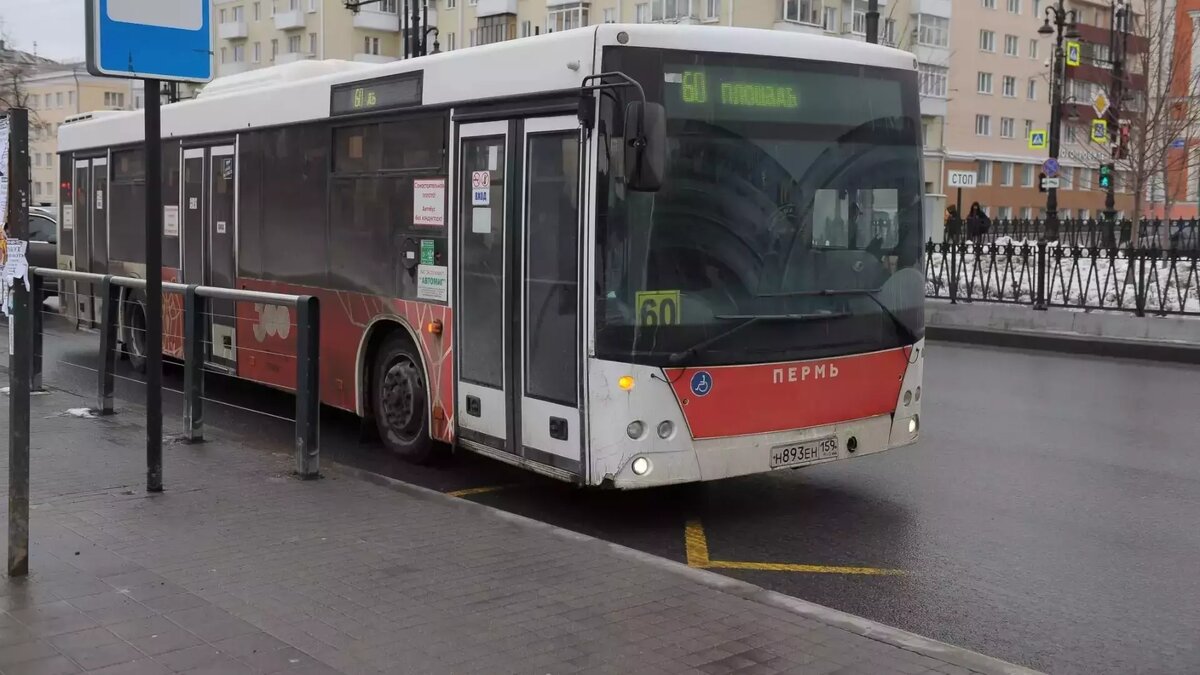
<point x="400" y="400"/>
<point x="133" y="336"/>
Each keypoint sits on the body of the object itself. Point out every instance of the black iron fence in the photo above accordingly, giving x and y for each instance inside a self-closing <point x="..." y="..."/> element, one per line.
<point x="1167" y="235"/>
<point x="1144" y="280"/>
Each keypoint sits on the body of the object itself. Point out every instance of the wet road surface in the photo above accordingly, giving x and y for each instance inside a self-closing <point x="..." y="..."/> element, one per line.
<point x="1050" y="516"/>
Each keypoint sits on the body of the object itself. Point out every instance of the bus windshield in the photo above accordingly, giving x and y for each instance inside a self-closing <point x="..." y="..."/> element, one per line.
<point x="788" y="225"/>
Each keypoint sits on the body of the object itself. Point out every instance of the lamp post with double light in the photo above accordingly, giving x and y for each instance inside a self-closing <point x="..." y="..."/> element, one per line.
<point x="1059" y="22"/>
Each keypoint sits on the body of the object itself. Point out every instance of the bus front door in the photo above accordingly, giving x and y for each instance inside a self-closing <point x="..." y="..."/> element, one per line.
<point x="517" y="332"/>
<point x="222" y="271"/>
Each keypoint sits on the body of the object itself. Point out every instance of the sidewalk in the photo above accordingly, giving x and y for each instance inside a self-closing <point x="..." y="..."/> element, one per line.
<point x="1100" y="333"/>
<point x="239" y="568"/>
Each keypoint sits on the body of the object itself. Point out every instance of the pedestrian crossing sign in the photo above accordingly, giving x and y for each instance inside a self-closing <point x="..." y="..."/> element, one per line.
<point x="1099" y="131"/>
<point x="1037" y="139"/>
<point x="1073" y="53"/>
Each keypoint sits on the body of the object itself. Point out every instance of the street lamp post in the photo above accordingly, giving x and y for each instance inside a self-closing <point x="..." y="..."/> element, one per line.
<point x="1059" y="22"/>
<point x="1118" y="43"/>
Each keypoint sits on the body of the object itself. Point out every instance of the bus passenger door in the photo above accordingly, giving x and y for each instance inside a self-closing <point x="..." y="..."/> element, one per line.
<point x="549" y="350"/>
<point x="98" y="223"/>
<point x="482" y="330"/>
<point x="191" y="217"/>
<point x="81" y="302"/>
<point x="222" y="226"/>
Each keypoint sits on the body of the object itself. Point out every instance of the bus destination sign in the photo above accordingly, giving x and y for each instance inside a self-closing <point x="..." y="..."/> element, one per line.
<point x="400" y="91"/>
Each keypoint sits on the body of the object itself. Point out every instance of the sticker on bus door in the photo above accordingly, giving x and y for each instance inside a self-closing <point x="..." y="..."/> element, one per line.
<point x="481" y="188"/>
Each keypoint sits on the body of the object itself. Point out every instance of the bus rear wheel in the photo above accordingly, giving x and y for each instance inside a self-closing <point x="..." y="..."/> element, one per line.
<point x="133" y="336"/>
<point x="400" y="400"/>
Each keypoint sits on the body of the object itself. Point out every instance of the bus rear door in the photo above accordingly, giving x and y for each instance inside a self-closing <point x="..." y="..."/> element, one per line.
<point x="208" y="231"/>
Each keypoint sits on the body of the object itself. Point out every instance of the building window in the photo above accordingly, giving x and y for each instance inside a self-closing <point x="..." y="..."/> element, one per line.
<point x="983" y="125"/>
<point x="642" y="12"/>
<point x="70" y="99"/>
<point x="312" y="5"/>
<point x="1028" y="128"/>
<point x="1004" y="213"/>
<point x="239" y="53"/>
<point x="1027" y="212"/>
<point x="222" y="15"/>
<point x="984" y="83"/>
<point x="989" y="4"/>
<point x="294" y="44"/>
<point x="471" y="38"/>
<point x="527" y="28"/>
<point x="830" y="19"/>
<point x="223" y="55"/>
<point x="1070" y="133"/>
<point x="1031" y="90"/>
<point x="1007" y="126"/>
<point x="239" y="14"/>
<point x="1014" y="6"/>
<point x="984" y="172"/>
<point x="610" y="15"/>
<point x="1067" y="175"/>
<point x="1006" y="174"/>
<point x="257" y="52"/>
<point x="670" y="10"/>
<point x="498" y="28"/>
<point x="371" y="46"/>
<point x="563" y="17"/>
<point x="450" y="42"/>
<point x="274" y="48"/>
<point x="1027" y="175"/>
<point x="451" y="4"/>
<point x="1009" y="86"/>
<point x="1084" y="214"/>
<point x="1085" y="180"/>
<point x="800" y="11"/>
<point x="712" y="10"/>
<point x="933" y="31"/>
<point x="987" y="41"/>
<point x="33" y="101"/>
<point x="114" y="99"/>
<point x="933" y="80"/>
<point x="1033" y="48"/>
<point x="257" y="11"/>
<point x="1010" y="45"/>
<point x="37" y="161"/>
<point x="58" y="100"/>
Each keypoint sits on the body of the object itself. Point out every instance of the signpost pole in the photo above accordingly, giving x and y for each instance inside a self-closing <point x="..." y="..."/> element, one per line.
<point x="154" y="215"/>
<point x="20" y="350"/>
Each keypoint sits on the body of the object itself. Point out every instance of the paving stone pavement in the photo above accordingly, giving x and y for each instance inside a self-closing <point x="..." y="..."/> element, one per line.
<point x="240" y="568"/>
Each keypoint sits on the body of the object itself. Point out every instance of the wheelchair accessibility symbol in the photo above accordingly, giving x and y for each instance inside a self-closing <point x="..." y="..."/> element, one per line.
<point x="701" y="383"/>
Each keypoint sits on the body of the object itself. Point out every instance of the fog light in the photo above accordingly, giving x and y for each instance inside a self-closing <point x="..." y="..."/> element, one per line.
<point x="918" y="394"/>
<point x="636" y="429"/>
<point x="666" y="429"/>
<point x="641" y="466"/>
<point x="907" y="397"/>
<point x="626" y="382"/>
<point x="913" y="424"/>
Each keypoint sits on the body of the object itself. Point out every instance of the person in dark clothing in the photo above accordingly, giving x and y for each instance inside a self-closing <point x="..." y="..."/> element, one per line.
<point x="953" y="223"/>
<point x="978" y="222"/>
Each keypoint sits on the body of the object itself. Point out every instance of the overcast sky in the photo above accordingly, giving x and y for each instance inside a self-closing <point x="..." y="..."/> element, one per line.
<point x="55" y="25"/>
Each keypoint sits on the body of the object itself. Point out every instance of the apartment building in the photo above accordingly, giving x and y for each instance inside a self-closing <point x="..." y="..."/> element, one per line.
<point x="52" y="94"/>
<point x="999" y="93"/>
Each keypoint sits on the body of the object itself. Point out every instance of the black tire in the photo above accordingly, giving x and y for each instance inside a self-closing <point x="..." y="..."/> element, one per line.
<point x="133" y="334"/>
<point x="400" y="400"/>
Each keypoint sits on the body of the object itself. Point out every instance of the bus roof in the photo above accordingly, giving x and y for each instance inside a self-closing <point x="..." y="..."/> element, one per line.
<point x="549" y="62"/>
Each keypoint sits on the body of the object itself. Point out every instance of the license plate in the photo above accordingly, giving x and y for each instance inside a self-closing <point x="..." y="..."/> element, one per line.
<point x="797" y="454"/>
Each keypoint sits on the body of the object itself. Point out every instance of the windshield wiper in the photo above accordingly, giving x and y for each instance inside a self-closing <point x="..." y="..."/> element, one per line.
<point x="906" y="332"/>
<point x="678" y="358"/>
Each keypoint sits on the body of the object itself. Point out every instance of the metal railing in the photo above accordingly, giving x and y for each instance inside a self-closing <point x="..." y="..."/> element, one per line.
<point x="195" y="307"/>
<point x="1168" y="235"/>
<point x="1056" y="274"/>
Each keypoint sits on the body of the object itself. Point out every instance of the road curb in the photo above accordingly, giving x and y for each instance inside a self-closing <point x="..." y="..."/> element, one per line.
<point x="1067" y="343"/>
<point x="851" y="623"/>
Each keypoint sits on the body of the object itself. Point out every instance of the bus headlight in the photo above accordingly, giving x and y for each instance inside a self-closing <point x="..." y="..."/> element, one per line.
<point x="666" y="429"/>
<point x="636" y="429"/>
<point x="641" y="466"/>
<point x="908" y="395"/>
<point x="914" y="423"/>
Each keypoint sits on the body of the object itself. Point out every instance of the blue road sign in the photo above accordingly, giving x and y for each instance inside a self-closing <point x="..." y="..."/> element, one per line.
<point x="1050" y="167"/>
<point x="1178" y="143"/>
<point x="150" y="39"/>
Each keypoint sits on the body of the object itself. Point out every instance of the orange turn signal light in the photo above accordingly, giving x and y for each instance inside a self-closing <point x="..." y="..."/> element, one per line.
<point x="625" y="382"/>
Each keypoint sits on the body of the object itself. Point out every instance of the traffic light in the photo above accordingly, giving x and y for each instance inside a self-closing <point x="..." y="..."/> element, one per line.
<point x="1042" y="181"/>
<point x="1106" y="176"/>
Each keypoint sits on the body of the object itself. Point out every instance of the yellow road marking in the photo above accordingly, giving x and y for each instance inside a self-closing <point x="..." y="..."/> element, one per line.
<point x="696" y="545"/>
<point x="477" y="490"/>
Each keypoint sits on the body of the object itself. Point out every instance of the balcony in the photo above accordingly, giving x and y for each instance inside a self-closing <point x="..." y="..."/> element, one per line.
<point x="233" y="30"/>
<point x="494" y="7"/>
<point x="387" y="21"/>
<point x="292" y="57"/>
<point x="373" y="58"/>
<point x="289" y="20"/>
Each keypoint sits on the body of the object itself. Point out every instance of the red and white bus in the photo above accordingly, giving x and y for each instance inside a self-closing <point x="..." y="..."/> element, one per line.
<point x="623" y="255"/>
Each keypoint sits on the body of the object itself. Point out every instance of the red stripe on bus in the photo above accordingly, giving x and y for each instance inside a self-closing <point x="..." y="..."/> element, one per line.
<point x="764" y="398"/>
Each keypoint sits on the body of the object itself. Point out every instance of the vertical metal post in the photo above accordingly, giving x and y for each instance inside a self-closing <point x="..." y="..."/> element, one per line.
<point x="953" y="244"/>
<point x="424" y="28"/>
<point x="109" y="295"/>
<point x="154" y="214"/>
<point x="416" y="27"/>
<point x="193" y="366"/>
<point x="873" y="21"/>
<point x="36" y="297"/>
<point x="1039" y="296"/>
<point x="405" y="35"/>
<point x="19" y="352"/>
<point x="308" y="388"/>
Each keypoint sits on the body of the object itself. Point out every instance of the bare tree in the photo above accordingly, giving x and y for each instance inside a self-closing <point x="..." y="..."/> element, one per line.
<point x="16" y="67"/>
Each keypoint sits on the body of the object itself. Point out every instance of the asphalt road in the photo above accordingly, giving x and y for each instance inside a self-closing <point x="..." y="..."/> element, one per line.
<point x="1050" y="516"/>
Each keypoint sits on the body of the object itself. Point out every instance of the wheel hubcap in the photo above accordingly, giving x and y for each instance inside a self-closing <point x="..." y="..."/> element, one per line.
<point x="403" y="400"/>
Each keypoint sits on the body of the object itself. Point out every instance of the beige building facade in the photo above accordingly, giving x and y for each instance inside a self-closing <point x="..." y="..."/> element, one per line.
<point x="53" y="95"/>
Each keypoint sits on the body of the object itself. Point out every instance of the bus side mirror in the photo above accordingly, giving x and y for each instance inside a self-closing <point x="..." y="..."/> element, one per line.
<point x="645" y="146"/>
